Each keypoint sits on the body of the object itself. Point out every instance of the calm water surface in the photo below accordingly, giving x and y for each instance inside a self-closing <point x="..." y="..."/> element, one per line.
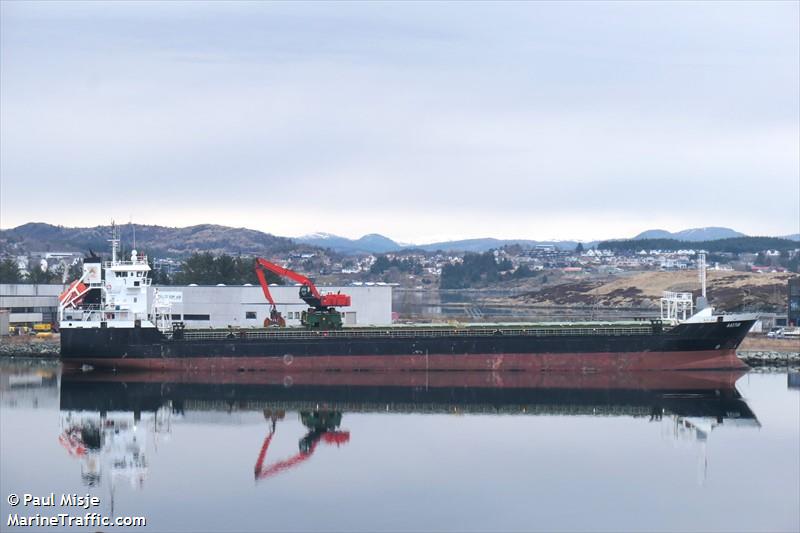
<point x="449" y="452"/>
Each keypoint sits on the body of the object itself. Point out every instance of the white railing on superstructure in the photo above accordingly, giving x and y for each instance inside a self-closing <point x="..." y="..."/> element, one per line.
<point x="139" y="260"/>
<point x="99" y="313"/>
<point x="162" y="311"/>
<point x="676" y="306"/>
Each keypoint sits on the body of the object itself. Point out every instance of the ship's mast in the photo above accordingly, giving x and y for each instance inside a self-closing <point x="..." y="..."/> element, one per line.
<point x="114" y="240"/>
<point x="133" y="229"/>
<point x="701" y="268"/>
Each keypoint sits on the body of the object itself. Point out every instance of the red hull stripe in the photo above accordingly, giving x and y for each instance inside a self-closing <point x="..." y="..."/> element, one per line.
<point x="543" y="362"/>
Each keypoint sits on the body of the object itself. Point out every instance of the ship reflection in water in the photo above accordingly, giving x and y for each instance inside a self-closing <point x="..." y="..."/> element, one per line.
<point x="109" y="419"/>
<point x="437" y="451"/>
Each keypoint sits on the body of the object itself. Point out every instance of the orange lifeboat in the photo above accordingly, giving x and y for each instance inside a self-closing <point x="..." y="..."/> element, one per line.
<point x="74" y="293"/>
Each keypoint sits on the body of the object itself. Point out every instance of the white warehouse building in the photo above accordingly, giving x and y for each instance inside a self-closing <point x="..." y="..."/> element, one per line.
<point x="212" y="305"/>
<point x="245" y="306"/>
<point x="30" y="304"/>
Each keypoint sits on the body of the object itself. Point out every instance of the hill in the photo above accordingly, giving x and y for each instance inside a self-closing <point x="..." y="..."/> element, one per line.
<point x="486" y="244"/>
<point x="691" y="235"/>
<point x="368" y="244"/>
<point x="728" y="291"/>
<point x="733" y="245"/>
<point x="179" y="242"/>
<point x="378" y="244"/>
<point x="155" y="240"/>
<point x="375" y="243"/>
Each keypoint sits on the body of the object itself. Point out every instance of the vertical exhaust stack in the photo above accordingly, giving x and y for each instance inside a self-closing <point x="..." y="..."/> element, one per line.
<point x="702" y="300"/>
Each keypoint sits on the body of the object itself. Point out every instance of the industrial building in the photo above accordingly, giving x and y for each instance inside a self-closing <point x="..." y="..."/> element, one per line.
<point x="794" y="302"/>
<point x="211" y="306"/>
<point x="245" y="306"/>
<point x="29" y="304"/>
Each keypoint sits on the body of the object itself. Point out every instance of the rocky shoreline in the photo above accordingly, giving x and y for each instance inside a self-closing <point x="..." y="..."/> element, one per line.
<point x="30" y="347"/>
<point x="770" y="359"/>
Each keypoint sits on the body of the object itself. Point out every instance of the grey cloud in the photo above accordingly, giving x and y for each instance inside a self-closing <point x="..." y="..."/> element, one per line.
<point x="651" y="111"/>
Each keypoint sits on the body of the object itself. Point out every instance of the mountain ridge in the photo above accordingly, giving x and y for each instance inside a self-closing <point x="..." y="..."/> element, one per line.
<point x="164" y="240"/>
<point x="711" y="233"/>
<point x="345" y="245"/>
<point x="177" y="242"/>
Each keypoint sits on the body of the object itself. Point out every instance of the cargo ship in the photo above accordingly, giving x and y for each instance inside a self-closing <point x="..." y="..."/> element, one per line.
<point x="107" y="321"/>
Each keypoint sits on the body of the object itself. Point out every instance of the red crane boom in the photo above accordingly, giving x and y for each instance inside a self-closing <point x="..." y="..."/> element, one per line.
<point x="322" y="313"/>
<point x="283" y="272"/>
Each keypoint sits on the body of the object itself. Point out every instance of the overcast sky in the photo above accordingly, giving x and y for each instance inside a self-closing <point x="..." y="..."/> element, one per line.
<point x="421" y="121"/>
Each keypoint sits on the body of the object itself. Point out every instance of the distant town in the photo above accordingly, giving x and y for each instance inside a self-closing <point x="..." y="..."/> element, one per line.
<point x="744" y="273"/>
<point x="219" y="255"/>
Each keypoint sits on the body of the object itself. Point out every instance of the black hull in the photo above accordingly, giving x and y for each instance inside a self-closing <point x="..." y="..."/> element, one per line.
<point x="121" y="347"/>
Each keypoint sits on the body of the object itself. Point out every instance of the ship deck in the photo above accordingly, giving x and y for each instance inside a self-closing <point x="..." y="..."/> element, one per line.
<point x="532" y="329"/>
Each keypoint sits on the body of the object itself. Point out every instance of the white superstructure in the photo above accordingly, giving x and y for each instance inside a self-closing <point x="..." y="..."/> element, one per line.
<point x="122" y="287"/>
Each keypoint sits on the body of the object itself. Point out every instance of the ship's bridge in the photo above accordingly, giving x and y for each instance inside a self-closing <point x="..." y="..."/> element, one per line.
<point x="138" y="263"/>
<point x="128" y="274"/>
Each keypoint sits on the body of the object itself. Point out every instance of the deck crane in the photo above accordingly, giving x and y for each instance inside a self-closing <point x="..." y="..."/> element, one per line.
<point x="321" y="313"/>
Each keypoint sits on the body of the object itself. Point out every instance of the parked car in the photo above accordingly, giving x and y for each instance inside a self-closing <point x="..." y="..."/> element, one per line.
<point x="775" y="332"/>
<point x="783" y="333"/>
<point x="793" y="333"/>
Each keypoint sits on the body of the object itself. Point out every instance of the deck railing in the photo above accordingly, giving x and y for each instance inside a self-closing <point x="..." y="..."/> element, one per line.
<point x="374" y="333"/>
